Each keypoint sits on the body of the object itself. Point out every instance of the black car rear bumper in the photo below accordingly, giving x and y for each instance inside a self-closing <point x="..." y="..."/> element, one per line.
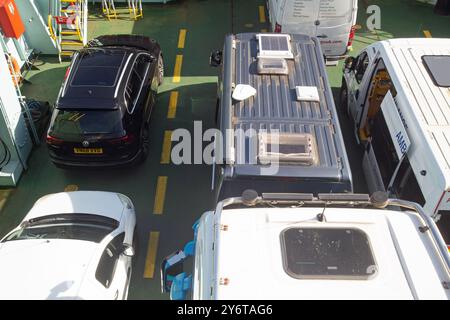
<point x="61" y="162"/>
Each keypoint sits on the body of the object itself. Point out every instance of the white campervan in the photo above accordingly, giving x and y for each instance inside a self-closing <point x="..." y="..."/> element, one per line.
<point x="333" y="22"/>
<point x="296" y="247"/>
<point x="397" y="92"/>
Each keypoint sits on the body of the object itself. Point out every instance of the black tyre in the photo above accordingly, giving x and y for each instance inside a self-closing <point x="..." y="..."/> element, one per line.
<point x="160" y="69"/>
<point x="145" y="144"/>
<point x="343" y="99"/>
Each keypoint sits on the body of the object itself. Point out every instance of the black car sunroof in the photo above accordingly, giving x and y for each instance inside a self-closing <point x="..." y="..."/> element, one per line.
<point x="438" y="68"/>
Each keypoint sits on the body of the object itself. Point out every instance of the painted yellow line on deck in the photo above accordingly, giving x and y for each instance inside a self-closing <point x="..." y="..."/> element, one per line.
<point x="173" y="102"/>
<point x="263" y="30"/>
<point x="262" y="14"/>
<point x="160" y="196"/>
<point x="177" y="71"/>
<point x="150" y="260"/>
<point x="167" y="147"/>
<point x="427" y="34"/>
<point x="182" y="38"/>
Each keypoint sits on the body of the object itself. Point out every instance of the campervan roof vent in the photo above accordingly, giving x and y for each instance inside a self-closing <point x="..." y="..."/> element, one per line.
<point x="288" y="149"/>
<point x="272" y="66"/>
<point x="274" y="46"/>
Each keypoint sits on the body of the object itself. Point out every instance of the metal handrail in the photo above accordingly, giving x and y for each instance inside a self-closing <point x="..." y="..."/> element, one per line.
<point x="50" y="27"/>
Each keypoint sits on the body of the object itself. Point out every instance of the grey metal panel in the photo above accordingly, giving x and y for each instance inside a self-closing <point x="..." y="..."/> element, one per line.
<point x="276" y="107"/>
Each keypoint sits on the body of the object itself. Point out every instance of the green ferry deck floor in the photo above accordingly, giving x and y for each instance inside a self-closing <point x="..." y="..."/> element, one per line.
<point x="188" y="192"/>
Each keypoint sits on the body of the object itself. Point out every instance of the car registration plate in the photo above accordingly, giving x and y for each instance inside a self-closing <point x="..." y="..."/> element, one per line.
<point x="88" y="150"/>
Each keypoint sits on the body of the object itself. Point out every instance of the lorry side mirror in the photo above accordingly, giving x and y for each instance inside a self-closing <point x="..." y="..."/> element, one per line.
<point x="349" y="63"/>
<point x="128" y="251"/>
<point x="215" y="59"/>
<point x="173" y="266"/>
<point x="181" y="286"/>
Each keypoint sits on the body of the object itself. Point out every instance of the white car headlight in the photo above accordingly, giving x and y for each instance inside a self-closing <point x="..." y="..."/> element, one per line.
<point x="125" y="201"/>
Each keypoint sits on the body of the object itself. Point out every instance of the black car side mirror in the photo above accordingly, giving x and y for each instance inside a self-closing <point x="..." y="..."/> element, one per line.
<point x="349" y="63"/>
<point x="215" y="59"/>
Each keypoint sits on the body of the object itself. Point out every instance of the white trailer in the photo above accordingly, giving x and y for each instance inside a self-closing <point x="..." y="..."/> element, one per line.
<point x="295" y="246"/>
<point x="397" y="93"/>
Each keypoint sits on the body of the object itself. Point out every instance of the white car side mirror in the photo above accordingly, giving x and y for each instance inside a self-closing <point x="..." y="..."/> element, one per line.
<point x="128" y="251"/>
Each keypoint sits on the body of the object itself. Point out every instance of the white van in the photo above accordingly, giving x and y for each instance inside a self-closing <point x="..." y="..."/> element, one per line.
<point x="397" y="92"/>
<point x="333" y="22"/>
<point x="296" y="247"/>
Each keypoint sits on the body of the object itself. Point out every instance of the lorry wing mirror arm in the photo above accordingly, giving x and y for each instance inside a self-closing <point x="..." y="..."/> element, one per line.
<point x="215" y="59"/>
<point x="349" y="63"/>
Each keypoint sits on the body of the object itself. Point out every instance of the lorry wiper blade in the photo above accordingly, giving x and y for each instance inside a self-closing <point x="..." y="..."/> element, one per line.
<point x="344" y="197"/>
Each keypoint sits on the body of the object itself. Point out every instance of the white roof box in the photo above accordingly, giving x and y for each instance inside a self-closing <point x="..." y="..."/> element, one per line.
<point x="309" y="94"/>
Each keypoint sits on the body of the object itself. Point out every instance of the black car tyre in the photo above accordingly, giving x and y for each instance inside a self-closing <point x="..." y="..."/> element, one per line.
<point x="160" y="69"/>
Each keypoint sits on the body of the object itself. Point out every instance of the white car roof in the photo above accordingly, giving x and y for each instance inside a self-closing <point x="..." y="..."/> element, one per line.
<point x="430" y="103"/>
<point x="249" y="256"/>
<point x="44" y="269"/>
<point x="101" y="203"/>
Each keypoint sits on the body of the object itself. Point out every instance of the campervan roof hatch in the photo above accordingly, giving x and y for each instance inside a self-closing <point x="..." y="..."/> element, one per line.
<point x="274" y="46"/>
<point x="288" y="148"/>
<point x="327" y="253"/>
<point x="438" y="68"/>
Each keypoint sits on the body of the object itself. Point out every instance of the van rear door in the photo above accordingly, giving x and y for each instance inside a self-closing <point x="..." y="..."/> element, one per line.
<point x="334" y="23"/>
<point x="299" y="16"/>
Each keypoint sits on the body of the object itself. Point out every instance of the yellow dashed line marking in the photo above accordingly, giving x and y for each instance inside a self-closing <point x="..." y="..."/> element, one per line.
<point x="167" y="147"/>
<point x="160" y="196"/>
<point x="70" y="188"/>
<point x="263" y="30"/>
<point x="427" y="34"/>
<point x="150" y="261"/>
<point x="173" y="102"/>
<point x="177" y="71"/>
<point x="262" y="14"/>
<point x="182" y="38"/>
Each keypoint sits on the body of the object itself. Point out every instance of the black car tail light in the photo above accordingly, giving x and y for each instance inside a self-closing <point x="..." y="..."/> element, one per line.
<point x="277" y="28"/>
<point x="127" y="139"/>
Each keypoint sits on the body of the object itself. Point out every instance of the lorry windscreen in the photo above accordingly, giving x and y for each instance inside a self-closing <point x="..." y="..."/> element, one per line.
<point x="71" y="124"/>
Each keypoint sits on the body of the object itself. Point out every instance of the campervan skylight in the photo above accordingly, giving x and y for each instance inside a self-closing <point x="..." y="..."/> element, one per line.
<point x="274" y="46"/>
<point x="288" y="148"/>
<point x="438" y="68"/>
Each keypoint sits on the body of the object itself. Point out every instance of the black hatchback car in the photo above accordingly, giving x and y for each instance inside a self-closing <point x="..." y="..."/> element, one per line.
<point x="102" y="114"/>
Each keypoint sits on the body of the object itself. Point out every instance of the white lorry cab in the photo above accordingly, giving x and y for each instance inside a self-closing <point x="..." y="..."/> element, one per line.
<point x="397" y="92"/>
<point x="333" y="22"/>
<point x="296" y="246"/>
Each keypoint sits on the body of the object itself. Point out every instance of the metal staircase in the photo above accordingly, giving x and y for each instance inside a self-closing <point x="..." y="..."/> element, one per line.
<point x="134" y="8"/>
<point x="68" y="25"/>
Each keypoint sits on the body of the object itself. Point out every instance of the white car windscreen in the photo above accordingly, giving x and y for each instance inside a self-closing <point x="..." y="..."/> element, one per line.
<point x="300" y="11"/>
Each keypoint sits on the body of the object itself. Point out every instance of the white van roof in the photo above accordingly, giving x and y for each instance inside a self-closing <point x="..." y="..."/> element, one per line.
<point x="430" y="103"/>
<point x="251" y="255"/>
